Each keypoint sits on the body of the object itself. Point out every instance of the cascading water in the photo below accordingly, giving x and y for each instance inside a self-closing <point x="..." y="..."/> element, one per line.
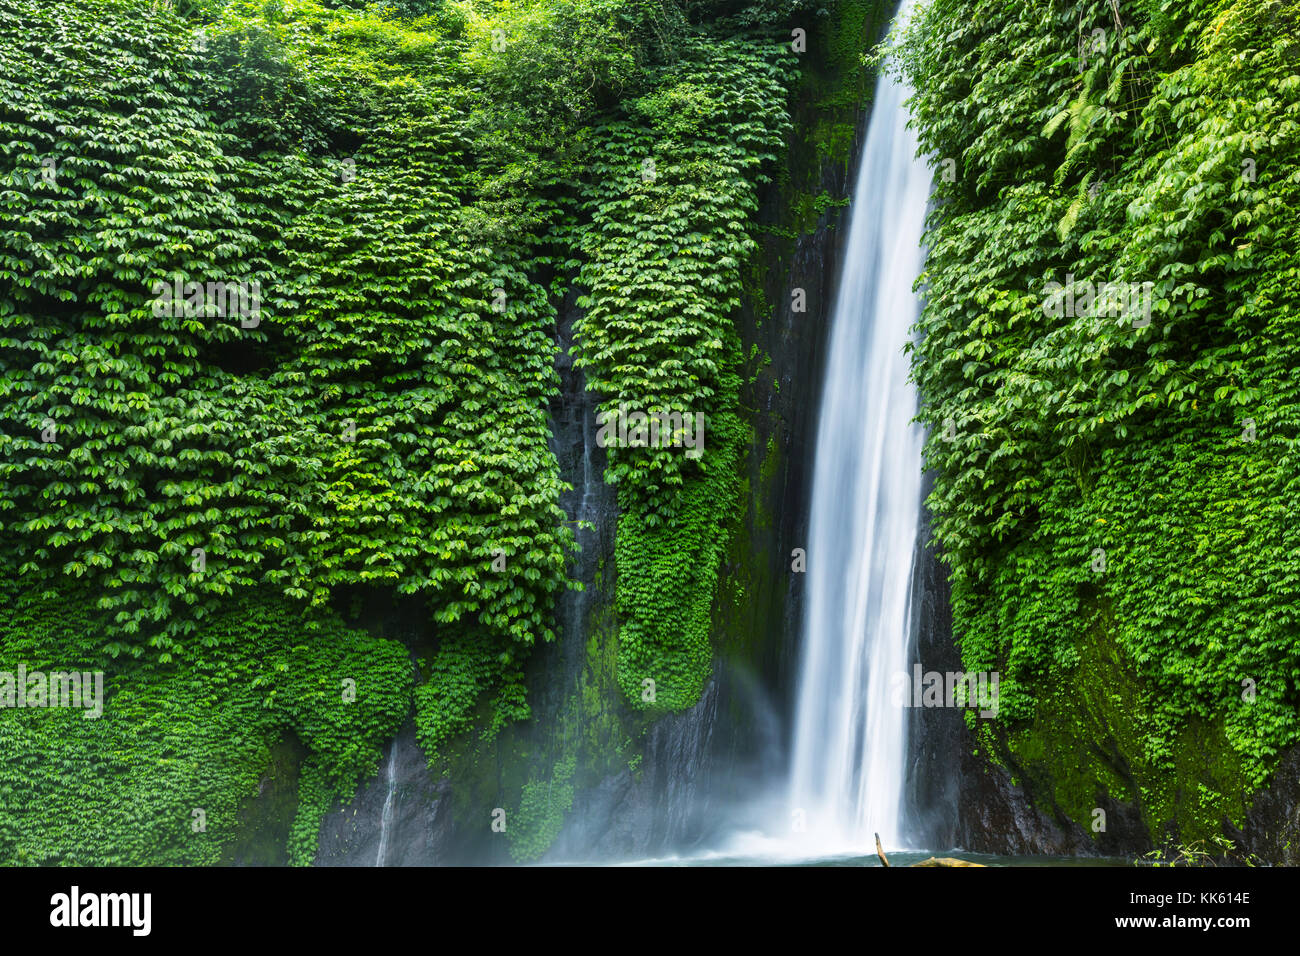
<point x="386" y="817"/>
<point x="850" y="732"/>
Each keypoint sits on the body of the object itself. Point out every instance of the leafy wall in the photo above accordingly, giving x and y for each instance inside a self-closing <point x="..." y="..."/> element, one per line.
<point x="1115" y="488"/>
<point x="403" y="194"/>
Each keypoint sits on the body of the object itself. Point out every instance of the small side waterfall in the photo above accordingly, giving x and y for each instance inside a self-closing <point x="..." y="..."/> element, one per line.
<point x="849" y="744"/>
<point x="386" y="818"/>
<point x="575" y="605"/>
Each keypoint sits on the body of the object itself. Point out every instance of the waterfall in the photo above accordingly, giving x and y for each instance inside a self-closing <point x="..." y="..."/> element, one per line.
<point x="849" y="744"/>
<point x="386" y="818"/>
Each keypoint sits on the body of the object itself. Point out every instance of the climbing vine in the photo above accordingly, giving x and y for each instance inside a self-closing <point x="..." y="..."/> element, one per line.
<point x="161" y="775"/>
<point x="1118" y="478"/>
<point x="278" y="291"/>
<point x="670" y="195"/>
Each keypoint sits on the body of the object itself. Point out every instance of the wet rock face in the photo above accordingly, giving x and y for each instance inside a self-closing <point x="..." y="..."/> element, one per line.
<point x="996" y="815"/>
<point x="418" y="831"/>
<point x="699" y="771"/>
<point x="962" y="800"/>
<point x="582" y="464"/>
<point x="630" y="816"/>
<point x="265" y="822"/>
<point x="1272" y="828"/>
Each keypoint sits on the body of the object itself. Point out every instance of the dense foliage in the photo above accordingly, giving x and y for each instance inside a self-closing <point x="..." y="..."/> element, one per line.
<point x="161" y="775"/>
<point x="382" y="421"/>
<point x="669" y="196"/>
<point x="392" y="200"/>
<point x="1124" y="481"/>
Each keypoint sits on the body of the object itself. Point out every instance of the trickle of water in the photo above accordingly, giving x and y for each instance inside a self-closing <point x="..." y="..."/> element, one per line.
<point x="850" y="736"/>
<point x="386" y="818"/>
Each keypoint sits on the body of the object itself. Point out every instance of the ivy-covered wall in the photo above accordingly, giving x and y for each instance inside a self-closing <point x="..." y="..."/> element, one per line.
<point x="214" y="495"/>
<point x="1114" y="486"/>
<point x="600" y="770"/>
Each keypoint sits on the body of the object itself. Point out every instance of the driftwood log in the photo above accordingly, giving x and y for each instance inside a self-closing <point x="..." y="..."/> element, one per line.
<point x="933" y="861"/>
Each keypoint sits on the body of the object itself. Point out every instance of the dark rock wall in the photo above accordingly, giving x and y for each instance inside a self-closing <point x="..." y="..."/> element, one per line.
<point x="960" y="798"/>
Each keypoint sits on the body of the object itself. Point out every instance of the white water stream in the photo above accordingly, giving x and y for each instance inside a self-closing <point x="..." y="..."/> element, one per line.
<point x="386" y="818"/>
<point x="850" y="735"/>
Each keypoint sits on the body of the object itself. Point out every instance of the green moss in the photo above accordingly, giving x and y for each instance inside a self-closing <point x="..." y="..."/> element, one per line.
<point x="1115" y="497"/>
<point x="668" y="576"/>
<point x="170" y="773"/>
<point x="542" y="807"/>
<point x="852" y="26"/>
<point x="807" y="209"/>
<point x="834" y="141"/>
<point x="264" y="823"/>
<point x="1089" y="739"/>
